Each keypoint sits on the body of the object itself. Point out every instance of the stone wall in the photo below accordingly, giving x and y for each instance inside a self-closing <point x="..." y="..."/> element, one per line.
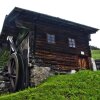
<point x="39" y="74"/>
<point x="2" y="84"/>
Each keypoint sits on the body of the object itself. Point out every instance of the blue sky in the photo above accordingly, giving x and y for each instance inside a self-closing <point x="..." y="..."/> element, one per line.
<point x="85" y="12"/>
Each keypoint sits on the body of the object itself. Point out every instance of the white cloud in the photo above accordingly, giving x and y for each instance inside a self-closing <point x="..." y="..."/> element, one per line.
<point x="80" y="11"/>
<point x="95" y="39"/>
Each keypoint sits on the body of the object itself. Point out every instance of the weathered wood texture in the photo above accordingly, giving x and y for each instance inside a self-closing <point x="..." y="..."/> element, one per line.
<point x="60" y="54"/>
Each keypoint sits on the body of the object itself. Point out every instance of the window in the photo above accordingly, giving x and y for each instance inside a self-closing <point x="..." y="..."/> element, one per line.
<point x="50" y="38"/>
<point x="71" y="42"/>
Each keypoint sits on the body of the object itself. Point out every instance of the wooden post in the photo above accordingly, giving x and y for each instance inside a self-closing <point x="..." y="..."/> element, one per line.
<point x="34" y="42"/>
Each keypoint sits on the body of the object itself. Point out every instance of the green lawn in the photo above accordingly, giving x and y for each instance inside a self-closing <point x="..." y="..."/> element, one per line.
<point x="84" y="85"/>
<point x="96" y="54"/>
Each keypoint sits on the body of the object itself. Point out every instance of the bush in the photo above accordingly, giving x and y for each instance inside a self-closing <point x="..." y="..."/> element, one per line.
<point x="4" y="54"/>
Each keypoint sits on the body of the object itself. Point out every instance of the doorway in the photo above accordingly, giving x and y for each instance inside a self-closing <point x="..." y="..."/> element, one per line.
<point x="83" y="62"/>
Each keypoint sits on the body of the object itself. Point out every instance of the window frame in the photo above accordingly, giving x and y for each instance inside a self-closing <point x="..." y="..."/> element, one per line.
<point x="71" y="43"/>
<point x="51" y="38"/>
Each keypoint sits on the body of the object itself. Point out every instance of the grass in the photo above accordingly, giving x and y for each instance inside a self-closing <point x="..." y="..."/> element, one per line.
<point x="84" y="85"/>
<point x="96" y="54"/>
<point x="3" y="57"/>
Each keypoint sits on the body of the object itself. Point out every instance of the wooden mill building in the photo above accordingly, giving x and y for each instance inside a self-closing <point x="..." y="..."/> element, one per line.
<point x="60" y="44"/>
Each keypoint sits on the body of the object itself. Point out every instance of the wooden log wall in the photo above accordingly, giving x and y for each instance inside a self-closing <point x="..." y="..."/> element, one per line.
<point x="60" y="54"/>
<point x="59" y="60"/>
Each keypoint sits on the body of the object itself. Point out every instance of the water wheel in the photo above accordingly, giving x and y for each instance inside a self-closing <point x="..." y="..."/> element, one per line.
<point x="16" y="72"/>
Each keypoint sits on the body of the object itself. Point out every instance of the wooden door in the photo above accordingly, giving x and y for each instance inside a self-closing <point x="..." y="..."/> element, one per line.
<point x="83" y="62"/>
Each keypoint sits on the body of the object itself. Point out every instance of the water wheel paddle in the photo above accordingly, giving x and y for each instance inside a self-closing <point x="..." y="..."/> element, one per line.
<point x="16" y="72"/>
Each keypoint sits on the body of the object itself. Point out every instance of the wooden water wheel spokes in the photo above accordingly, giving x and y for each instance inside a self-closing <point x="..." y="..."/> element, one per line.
<point x="16" y="72"/>
<point x="12" y="72"/>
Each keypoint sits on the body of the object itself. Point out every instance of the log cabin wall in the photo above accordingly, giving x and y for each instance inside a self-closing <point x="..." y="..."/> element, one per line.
<point x="59" y="55"/>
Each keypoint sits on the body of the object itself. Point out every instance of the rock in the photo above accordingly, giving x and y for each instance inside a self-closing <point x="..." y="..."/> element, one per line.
<point x="0" y="72"/>
<point x="73" y="71"/>
<point x="2" y="84"/>
<point x="39" y="74"/>
<point x="1" y="77"/>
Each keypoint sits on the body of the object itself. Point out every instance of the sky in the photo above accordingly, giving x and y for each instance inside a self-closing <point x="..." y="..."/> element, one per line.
<point x="85" y="12"/>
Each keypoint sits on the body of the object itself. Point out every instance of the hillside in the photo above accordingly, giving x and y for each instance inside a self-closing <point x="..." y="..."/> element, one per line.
<point x="96" y="54"/>
<point x="94" y="48"/>
<point x="95" y="51"/>
<point x="84" y="85"/>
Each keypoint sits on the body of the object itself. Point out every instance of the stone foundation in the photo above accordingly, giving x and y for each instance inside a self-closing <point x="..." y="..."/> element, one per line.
<point x="39" y="74"/>
<point x="2" y="84"/>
